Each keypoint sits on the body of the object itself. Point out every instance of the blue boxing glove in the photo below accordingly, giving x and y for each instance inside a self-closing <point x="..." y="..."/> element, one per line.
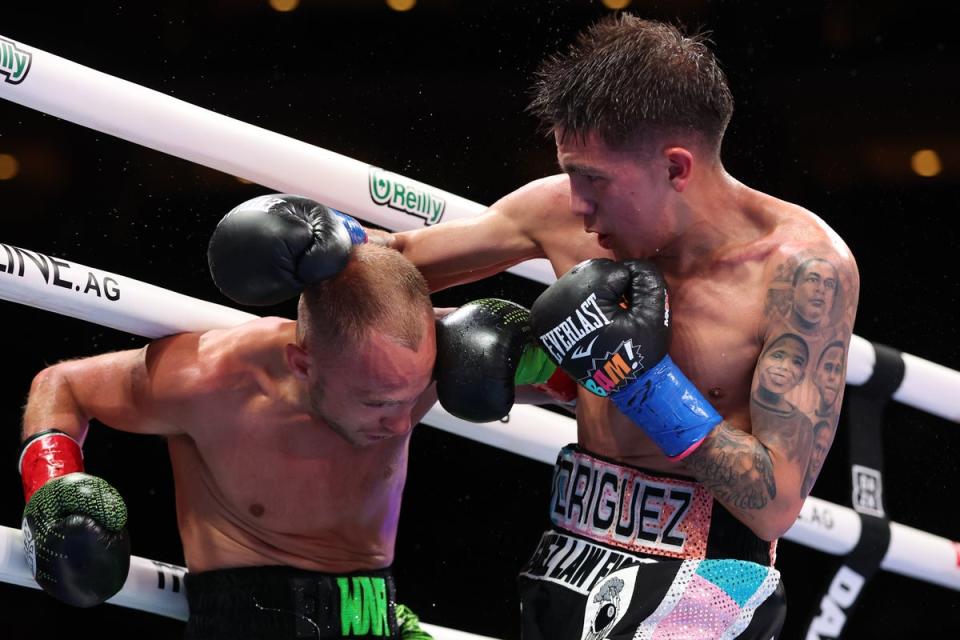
<point x="266" y="250"/>
<point x="607" y="324"/>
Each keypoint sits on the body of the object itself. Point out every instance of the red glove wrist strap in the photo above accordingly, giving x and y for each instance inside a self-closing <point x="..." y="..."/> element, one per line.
<point x="46" y="456"/>
<point x="560" y="386"/>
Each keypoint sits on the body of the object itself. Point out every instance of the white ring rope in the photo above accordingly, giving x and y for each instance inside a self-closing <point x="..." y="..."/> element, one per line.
<point x="155" y="587"/>
<point x="158" y="121"/>
<point x="151" y="586"/>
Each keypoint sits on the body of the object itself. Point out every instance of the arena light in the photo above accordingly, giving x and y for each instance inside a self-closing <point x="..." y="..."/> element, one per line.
<point x="9" y="166"/>
<point x="401" y="5"/>
<point x="926" y="163"/>
<point x="284" y="5"/>
<point x="616" y="4"/>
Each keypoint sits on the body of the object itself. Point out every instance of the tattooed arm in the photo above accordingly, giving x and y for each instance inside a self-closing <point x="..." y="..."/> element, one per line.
<point x="763" y="476"/>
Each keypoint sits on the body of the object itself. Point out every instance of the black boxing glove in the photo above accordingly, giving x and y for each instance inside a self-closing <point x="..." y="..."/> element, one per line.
<point x="266" y="250"/>
<point x="484" y="351"/>
<point x="607" y="324"/>
<point x="74" y="524"/>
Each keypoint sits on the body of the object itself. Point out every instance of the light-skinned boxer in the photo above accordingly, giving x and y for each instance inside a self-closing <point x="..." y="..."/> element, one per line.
<point x="637" y="110"/>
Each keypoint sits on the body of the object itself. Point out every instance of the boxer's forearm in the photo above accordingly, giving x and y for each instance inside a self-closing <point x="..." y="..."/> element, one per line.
<point x="743" y="475"/>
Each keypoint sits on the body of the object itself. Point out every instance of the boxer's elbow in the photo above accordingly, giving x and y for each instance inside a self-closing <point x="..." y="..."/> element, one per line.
<point x="51" y="404"/>
<point x="776" y="521"/>
<point x="48" y="382"/>
<point x="770" y="531"/>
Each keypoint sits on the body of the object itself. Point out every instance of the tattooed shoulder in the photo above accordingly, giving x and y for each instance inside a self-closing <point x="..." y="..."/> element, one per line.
<point x="812" y="291"/>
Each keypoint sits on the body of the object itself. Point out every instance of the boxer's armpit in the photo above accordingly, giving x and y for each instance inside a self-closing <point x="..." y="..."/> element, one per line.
<point x="735" y="467"/>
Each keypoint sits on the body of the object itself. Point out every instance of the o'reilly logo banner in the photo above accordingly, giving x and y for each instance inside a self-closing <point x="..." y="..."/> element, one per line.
<point x="405" y="195"/>
<point x="14" y="62"/>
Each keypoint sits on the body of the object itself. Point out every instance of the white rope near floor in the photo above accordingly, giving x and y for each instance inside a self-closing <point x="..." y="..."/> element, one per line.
<point x="117" y="107"/>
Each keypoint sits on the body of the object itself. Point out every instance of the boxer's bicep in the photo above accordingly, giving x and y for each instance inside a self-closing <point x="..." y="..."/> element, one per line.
<point x="152" y="390"/>
<point x="828" y="371"/>
<point x="178" y="384"/>
<point x="507" y="233"/>
<point x="118" y="389"/>
<point x="781" y="427"/>
<point x="467" y="250"/>
<point x="799" y="377"/>
<point x="67" y="395"/>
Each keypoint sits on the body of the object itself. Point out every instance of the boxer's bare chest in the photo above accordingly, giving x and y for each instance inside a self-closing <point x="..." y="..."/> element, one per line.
<point x="717" y="318"/>
<point x="287" y="475"/>
<point x="717" y="336"/>
<point x="298" y="480"/>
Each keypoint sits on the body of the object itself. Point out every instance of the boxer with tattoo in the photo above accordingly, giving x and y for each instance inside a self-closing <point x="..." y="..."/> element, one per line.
<point x="693" y="330"/>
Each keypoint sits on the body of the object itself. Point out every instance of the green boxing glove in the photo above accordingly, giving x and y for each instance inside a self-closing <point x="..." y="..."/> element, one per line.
<point x="74" y="531"/>
<point x="409" y="624"/>
<point x="485" y="349"/>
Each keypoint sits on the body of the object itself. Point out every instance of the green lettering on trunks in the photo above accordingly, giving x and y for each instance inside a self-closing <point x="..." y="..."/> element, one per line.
<point x="363" y="606"/>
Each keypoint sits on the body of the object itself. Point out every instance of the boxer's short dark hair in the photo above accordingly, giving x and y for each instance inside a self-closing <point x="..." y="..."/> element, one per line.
<point x="632" y="80"/>
<point x="378" y="290"/>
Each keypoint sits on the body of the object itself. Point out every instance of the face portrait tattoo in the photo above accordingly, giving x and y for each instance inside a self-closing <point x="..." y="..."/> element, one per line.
<point x="782" y="364"/>
<point x="828" y="376"/>
<point x="822" y="439"/>
<point x="815" y="287"/>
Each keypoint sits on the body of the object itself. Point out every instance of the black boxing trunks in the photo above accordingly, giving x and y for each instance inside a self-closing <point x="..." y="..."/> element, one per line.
<point x="633" y="555"/>
<point x="254" y="603"/>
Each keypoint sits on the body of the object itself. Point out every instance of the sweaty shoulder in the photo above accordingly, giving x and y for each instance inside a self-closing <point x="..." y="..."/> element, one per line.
<point x="812" y="275"/>
<point x="801" y="230"/>
<point x="541" y="211"/>
<point x="538" y="206"/>
<point x="229" y="356"/>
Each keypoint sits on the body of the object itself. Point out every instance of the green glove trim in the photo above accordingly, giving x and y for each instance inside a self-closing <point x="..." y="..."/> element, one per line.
<point x="409" y="624"/>
<point x="535" y="366"/>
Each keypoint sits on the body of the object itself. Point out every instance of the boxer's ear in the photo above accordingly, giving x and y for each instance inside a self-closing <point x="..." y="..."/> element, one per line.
<point x="298" y="360"/>
<point x="679" y="167"/>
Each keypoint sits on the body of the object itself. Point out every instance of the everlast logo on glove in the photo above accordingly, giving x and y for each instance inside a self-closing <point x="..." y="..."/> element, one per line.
<point x="575" y="327"/>
<point x="604" y="323"/>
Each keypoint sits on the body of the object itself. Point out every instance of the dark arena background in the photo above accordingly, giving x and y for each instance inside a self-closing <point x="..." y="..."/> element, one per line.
<point x="834" y="100"/>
